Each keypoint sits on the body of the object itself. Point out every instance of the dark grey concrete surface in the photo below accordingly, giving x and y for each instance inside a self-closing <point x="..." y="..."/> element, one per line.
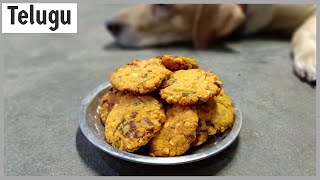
<point x="48" y="75"/>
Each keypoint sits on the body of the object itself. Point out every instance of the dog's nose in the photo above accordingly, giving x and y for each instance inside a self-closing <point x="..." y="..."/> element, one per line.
<point x="114" y="27"/>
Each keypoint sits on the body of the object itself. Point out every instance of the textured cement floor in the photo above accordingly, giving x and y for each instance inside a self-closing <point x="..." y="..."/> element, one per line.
<point x="48" y="75"/>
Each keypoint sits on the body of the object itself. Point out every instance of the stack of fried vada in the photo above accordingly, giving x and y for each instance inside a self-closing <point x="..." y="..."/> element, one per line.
<point x="166" y="103"/>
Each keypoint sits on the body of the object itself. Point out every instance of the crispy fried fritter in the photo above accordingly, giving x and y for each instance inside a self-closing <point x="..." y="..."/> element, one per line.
<point x="201" y="134"/>
<point x="107" y="102"/>
<point x="178" y="132"/>
<point x="175" y="63"/>
<point x="217" y="114"/>
<point x="187" y="87"/>
<point x="140" y="76"/>
<point x="133" y="121"/>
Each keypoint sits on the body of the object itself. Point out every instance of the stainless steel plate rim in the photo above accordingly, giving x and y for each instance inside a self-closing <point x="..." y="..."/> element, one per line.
<point x="104" y="146"/>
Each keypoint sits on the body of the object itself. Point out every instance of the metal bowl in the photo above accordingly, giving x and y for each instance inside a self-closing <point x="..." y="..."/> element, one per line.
<point x="93" y="129"/>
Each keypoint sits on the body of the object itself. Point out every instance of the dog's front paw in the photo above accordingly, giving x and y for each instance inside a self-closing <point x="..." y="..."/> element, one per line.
<point x="304" y="49"/>
<point x="306" y="69"/>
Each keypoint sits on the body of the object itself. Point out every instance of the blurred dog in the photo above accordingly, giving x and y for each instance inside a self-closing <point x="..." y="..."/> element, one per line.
<point x="152" y="24"/>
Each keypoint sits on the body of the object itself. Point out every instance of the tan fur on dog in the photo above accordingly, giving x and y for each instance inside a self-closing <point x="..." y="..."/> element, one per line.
<point x="209" y="26"/>
<point x="152" y="24"/>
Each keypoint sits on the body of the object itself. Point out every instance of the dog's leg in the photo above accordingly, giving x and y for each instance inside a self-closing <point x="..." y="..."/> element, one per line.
<point x="304" y="49"/>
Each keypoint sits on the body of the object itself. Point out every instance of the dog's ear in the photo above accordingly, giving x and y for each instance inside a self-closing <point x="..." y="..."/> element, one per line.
<point x="214" y="21"/>
<point x="201" y="30"/>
